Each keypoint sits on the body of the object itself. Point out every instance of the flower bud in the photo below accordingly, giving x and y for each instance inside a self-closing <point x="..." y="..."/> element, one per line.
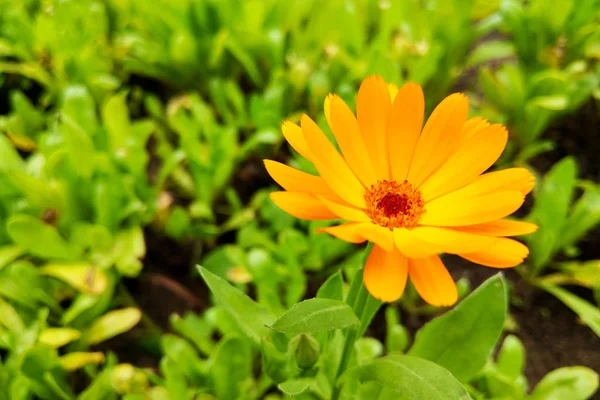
<point x="306" y="349"/>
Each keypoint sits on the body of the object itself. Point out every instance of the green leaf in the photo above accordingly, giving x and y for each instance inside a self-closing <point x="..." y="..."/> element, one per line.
<point x="511" y="358"/>
<point x="550" y="210"/>
<point x="10" y="318"/>
<point x="295" y="387"/>
<point x="573" y="383"/>
<point x="316" y="315"/>
<point x="413" y="378"/>
<point x="554" y="103"/>
<point x="589" y="314"/>
<point x="10" y="253"/>
<point x="250" y="317"/>
<point x="185" y="357"/>
<point x="40" y="239"/>
<point x="333" y="288"/>
<point x="111" y="324"/>
<point x="489" y="51"/>
<point x="9" y="157"/>
<point x="585" y="215"/>
<point x="115" y="117"/>
<point x="232" y="366"/>
<point x="176" y="383"/>
<point x="462" y="349"/>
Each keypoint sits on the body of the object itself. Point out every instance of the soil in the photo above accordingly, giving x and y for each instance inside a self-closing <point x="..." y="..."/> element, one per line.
<point x="552" y="334"/>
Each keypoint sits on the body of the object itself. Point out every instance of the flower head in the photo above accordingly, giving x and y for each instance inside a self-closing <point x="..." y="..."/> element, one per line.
<point x="414" y="191"/>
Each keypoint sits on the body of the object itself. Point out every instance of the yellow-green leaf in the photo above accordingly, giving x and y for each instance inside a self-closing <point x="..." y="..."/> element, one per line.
<point x="58" y="337"/>
<point x="112" y="324"/>
<point x="10" y="253"/>
<point x="82" y="276"/>
<point x="77" y="360"/>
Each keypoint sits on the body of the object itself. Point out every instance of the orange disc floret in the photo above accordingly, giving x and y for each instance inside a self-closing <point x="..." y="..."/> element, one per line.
<point x="394" y="205"/>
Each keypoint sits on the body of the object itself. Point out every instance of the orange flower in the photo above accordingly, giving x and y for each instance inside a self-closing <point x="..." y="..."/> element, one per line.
<point x="414" y="191"/>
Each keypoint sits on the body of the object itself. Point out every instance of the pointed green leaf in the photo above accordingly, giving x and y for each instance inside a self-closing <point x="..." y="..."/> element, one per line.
<point x="40" y="239"/>
<point x="333" y="288"/>
<point x="10" y="253"/>
<point x="588" y="313"/>
<point x="252" y="318"/>
<point x="573" y="383"/>
<point x="316" y="315"/>
<point x="412" y="377"/>
<point x="462" y="349"/>
<point x="113" y="323"/>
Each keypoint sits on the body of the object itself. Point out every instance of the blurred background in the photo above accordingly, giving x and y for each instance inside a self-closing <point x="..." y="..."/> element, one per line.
<point x="132" y="135"/>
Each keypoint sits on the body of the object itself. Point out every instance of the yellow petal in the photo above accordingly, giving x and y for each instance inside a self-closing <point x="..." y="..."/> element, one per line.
<point x="432" y="281"/>
<point x="293" y="134"/>
<point x="294" y="180"/>
<point x="331" y="165"/>
<point x="456" y="210"/>
<point x="403" y="128"/>
<point x="352" y="144"/>
<point x="504" y="253"/>
<point x="500" y="227"/>
<point x="385" y="274"/>
<point x="440" y="137"/>
<point x="346" y="232"/>
<point x="343" y="211"/>
<point x="372" y="109"/>
<point x="472" y="158"/>
<point x="302" y="205"/>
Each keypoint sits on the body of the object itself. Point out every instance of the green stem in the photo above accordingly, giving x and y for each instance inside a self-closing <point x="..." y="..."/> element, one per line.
<point x="364" y="307"/>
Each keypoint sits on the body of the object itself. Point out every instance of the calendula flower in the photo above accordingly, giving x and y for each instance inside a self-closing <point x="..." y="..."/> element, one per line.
<point x="414" y="191"/>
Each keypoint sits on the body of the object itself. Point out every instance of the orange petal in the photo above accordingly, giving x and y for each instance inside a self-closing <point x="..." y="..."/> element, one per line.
<point x="413" y="246"/>
<point x="504" y="253"/>
<point x="343" y="211"/>
<point x="403" y="128"/>
<point x="385" y="274"/>
<point x="520" y="179"/>
<point x="352" y="144"/>
<point x="372" y="110"/>
<point x="346" y="232"/>
<point x="293" y="134"/>
<point x="500" y="227"/>
<point x="327" y="108"/>
<point x="302" y="205"/>
<point x="432" y="281"/>
<point x="294" y="180"/>
<point x="424" y="241"/>
<point x="473" y="126"/>
<point x="472" y="158"/>
<point x="377" y="234"/>
<point x="331" y="165"/>
<point x="440" y="137"/>
<point x="457" y="210"/>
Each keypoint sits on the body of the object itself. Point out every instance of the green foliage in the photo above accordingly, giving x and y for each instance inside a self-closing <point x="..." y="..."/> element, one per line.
<point x="505" y="379"/>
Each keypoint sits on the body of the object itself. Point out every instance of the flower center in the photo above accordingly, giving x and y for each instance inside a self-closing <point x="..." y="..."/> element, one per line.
<point x="394" y="205"/>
